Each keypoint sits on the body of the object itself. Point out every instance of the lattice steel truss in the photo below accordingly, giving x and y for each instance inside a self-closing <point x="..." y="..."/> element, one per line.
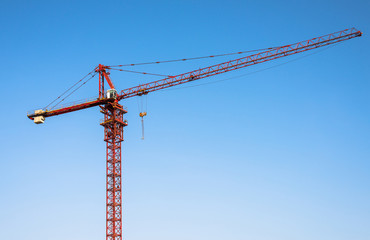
<point x="113" y="135"/>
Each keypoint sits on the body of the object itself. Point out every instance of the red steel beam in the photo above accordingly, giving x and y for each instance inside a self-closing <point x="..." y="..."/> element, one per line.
<point x="102" y="72"/>
<point x="265" y="56"/>
<point x="71" y="108"/>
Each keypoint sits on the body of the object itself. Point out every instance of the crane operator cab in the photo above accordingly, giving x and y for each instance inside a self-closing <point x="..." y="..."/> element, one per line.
<point x="112" y="93"/>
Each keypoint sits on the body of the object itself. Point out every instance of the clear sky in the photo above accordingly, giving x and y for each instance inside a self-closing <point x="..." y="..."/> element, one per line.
<point x="278" y="154"/>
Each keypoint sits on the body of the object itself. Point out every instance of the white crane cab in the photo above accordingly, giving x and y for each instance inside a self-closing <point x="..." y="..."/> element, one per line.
<point x="112" y="93"/>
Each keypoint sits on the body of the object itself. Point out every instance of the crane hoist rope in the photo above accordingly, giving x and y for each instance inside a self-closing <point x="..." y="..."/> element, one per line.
<point x="142" y="115"/>
<point x="142" y="104"/>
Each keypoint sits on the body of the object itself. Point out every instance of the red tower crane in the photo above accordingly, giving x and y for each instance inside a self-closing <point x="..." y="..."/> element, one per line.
<point x="113" y="112"/>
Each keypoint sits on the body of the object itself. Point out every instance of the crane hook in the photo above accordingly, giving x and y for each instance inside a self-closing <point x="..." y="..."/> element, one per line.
<point x="142" y="115"/>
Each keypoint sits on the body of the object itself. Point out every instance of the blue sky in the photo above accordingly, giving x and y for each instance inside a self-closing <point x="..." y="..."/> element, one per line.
<point x="282" y="153"/>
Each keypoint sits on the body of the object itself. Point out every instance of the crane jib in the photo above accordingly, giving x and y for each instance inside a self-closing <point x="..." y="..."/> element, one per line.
<point x="260" y="57"/>
<point x="264" y="56"/>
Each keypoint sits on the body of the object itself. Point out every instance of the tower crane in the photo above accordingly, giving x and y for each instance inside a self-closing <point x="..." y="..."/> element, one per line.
<point x="113" y="111"/>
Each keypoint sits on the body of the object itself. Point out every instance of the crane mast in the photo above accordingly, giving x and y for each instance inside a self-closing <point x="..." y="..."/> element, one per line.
<point x="114" y="122"/>
<point x="113" y="136"/>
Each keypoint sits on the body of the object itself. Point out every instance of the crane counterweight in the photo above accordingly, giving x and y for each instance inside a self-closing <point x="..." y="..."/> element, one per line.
<point x="39" y="119"/>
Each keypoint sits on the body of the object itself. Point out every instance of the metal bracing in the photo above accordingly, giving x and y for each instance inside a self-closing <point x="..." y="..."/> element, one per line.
<point x="243" y="62"/>
<point x="113" y="136"/>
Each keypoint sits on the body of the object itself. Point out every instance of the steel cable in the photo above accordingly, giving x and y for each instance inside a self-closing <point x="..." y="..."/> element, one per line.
<point x="74" y="90"/>
<point x="69" y="89"/>
<point x="194" y="58"/>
